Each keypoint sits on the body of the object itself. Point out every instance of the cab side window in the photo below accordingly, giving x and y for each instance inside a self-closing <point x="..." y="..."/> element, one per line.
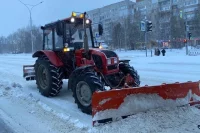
<point x="58" y="41"/>
<point x="48" y="43"/>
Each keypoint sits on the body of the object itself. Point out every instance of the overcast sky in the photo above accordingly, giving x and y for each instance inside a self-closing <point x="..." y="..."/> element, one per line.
<point x="14" y="15"/>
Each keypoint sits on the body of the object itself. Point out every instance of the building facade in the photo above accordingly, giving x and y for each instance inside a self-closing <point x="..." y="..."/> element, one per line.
<point x="162" y="12"/>
<point x="110" y="14"/>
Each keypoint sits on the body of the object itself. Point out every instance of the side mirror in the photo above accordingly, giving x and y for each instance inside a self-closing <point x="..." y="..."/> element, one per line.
<point x="59" y="28"/>
<point x="100" y="28"/>
<point x="42" y="27"/>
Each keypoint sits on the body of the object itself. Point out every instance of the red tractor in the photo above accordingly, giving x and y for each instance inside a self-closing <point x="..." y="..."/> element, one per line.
<point x="70" y="52"/>
<point x="101" y="83"/>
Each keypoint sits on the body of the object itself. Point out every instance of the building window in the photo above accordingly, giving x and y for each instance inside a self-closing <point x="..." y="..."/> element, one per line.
<point x="191" y="2"/>
<point x="190" y="16"/>
<point x="123" y="7"/>
<point x="175" y="1"/>
<point x="190" y="9"/>
<point x="165" y="8"/>
<point x="143" y="8"/>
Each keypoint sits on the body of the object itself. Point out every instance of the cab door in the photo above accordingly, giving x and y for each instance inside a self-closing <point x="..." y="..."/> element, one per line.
<point x="48" y="39"/>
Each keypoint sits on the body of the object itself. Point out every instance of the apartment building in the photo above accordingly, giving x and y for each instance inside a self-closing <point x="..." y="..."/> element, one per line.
<point x="110" y="14"/>
<point x="160" y="13"/>
<point x="144" y="8"/>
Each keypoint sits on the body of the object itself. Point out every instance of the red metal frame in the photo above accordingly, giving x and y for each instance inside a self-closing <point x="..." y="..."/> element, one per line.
<point x="51" y="56"/>
<point x="80" y="61"/>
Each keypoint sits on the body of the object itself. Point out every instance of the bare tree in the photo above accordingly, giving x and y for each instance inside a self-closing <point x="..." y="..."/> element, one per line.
<point x="2" y="44"/>
<point x="117" y="36"/>
<point x="20" y="41"/>
<point x="196" y="23"/>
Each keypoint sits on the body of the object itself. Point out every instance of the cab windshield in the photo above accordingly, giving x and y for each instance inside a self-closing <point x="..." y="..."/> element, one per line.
<point x="75" y="35"/>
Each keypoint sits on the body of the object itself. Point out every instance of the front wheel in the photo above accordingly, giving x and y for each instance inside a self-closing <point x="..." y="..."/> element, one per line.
<point x="127" y="69"/>
<point x="83" y="88"/>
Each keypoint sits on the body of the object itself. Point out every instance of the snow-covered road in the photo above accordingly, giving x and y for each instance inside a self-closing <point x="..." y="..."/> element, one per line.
<point x="27" y="115"/>
<point x="4" y="127"/>
<point x="23" y="108"/>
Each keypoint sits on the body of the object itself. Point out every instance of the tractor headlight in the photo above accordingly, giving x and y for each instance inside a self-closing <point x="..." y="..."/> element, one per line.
<point x="115" y="60"/>
<point x="87" y="21"/>
<point x="100" y="47"/>
<point x="66" y="49"/>
<point x="108" y="61"/>
<point x="73" y="14"/>
<point x="72" y="20"/>
<point x="81" y="15"/>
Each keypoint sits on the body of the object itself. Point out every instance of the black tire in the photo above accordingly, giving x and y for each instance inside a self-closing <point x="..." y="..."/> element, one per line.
<point x="43" y="57"/>
<point x="127" y="69"/>
<point x="52" y="84"/>
<point x="89" y="79"/>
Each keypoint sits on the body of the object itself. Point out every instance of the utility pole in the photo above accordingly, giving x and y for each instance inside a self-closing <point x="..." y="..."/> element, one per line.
<point x="30" y="7"/>
<point x="145" y="34"/>
<point x="171" y="14"/>
<point x="143" y="27"/>
<point x="148" y="29"/>
<point x="186" y="34"/>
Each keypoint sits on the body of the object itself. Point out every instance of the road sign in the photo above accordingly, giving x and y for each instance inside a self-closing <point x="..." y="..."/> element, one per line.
<point x="96" y="34"/>
<point x="142" y="26"/>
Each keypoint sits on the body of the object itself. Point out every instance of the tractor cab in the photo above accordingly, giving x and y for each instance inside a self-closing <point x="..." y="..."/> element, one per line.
<point x="69" y="34"/>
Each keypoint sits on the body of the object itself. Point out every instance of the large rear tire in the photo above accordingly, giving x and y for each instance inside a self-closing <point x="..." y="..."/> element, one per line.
<point x="48" y="77"/>
<point x="83" y="88"/>
<point x="127" y="69"/>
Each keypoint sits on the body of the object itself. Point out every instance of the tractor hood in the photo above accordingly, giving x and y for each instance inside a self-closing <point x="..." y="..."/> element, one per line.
<point x="107" y="53"/>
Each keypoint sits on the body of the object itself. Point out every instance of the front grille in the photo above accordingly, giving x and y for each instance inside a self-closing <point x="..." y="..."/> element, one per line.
<point x="112" y="67"/>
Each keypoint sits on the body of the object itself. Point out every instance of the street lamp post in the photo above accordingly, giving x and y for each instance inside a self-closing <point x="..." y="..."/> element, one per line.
<point x="186" y="33"/>
<point x="30" y="8"/>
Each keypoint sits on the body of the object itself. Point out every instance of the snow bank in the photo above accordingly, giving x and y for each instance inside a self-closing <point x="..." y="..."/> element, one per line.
<point x="167" y="120"/>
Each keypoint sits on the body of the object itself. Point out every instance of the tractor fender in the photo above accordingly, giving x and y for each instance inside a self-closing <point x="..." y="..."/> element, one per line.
<point x="76" y="73"/>
<point x="53" y="58"/>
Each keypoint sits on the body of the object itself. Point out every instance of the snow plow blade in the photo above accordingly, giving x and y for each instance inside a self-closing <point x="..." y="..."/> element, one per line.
<point x="117" y="104"/>
<point x="29" y="72"/>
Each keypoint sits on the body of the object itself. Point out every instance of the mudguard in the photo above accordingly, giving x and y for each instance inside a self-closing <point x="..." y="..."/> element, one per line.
<point x="116" y="104"/>
<point x="29" y="71"/>
<point x="53" y="58"/>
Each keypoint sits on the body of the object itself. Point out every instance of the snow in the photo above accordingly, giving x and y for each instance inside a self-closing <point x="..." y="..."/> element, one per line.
<point x="104" y="101"/>
<point x="140" y="103"/>
<point x="25" y="110"/>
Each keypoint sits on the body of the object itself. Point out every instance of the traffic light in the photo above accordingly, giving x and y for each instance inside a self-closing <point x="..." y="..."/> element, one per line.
<point x="189" y="35"/>
<point x="100" y="28"/>
<point x="185" y="40"/>
<point x="149" y="26"/>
